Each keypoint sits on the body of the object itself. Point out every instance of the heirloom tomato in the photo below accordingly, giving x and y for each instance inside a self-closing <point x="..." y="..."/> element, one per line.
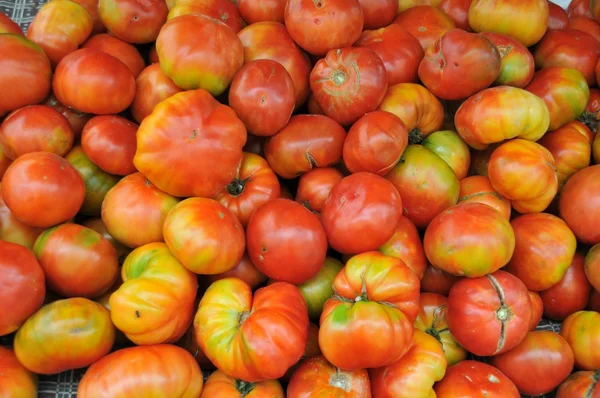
<point x="35" y="128"/>
<point x="119" y="49"/>
<point x="458" y="11"/>
<point x="378" y="13"/>
<point x="267" y="10"/>
<point x="160" y="370"/>
<point x="244" y="270"/>
<point x="437" y="281"/>
<point x="317" y="290"/>
<point x="182" y="140"/>
<point x="452" y="149"/>
<point x="77" y="261"/>
<point x="22" y="286"/>
<point x="315" y="185"/>
<point x="581" y="331"/>
<point x="219" y="385"/>
<point x="39" y="181"/>
<point x="221" y="10"/>
<point x="152" y="87"/>
<point x="478" y="189"/>
<point x="586" y="25"/>
<point x="91" y="7"/>
<point x="7" y="25"/>
<point x="406" y="245"/>
<point x="64" y="335"/>
<point x="473" y="379"/>
<point x="14" y="231"/>
<point x="558" y="18"/>
<point x="134" y="211"/>
<point x="252" y="338"/>
<point x="537" y="310"/>
<point x="286" y="241"/>
<point x="361" y="213"/>
<point x="425" y="22"/>
<point x="25" y="73"/>
<point x="578" y="204"/>
<point x="368" y="323"/>
<point x="517" y="65"/>
<point x="15" y="379"/>
<point x="580" y="384"/>
<point x="76" y="119"/>
<point x="133" y="21"/>
<point x="537" y="365"/>
<point x="208" y="64"/>
<point x="592" y="266"/>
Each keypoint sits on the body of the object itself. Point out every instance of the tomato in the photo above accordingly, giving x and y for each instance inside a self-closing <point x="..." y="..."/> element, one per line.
<point x="317" y="290"/>
<point x="577" y="204"/>
<point x="119" y="49"/>
<point x="16" y="380"/>
<point x="208" y="64"/>
<point x="7" y="25"/>
<point x="39" y="181"/>
<point x="579" y="8"/>
<point x="478" y="189"/>
<point x="244" y="270"/>
<point x="586" y="25"/>
<point x="59" y="28"/>
<point x="181" y="141"/>
<point x="266" y="10"/>
<point x="348" y="83"/>
<point x="452" y="149"/>
<point x="592" y="266"/>
<point x="404" y="5"/>
<point x="76" y="119"/>
<point x="4" y="163"/>
<point x="437" y="281"/>
<point x="558" y="18"/>
<point x="161" y="370"/>
<point x="25" y="73"/>
<point x="286" y="241"/>
<point x="312" y="350"/>
<point x="219" y="385"/>
<point x="133" y="21"/>
<point x="458" y="11"/>
<point x="406" y="245"/>
<point x="471" y="379"/>
<point x="433" y="319"/>
<point x="317" y="377"/>
<point x="315" y="186"/>
<point x="537" y="310"/>
<point x="152" y="87"/>
<point x="526" y="21"/>
<point x="425" y="22"/>
<point x="262" y="94"/>
<point x="517" y="65"/>
<point x="580" y="385"/>
<point x="421" y="112"/>
<point x="252" y="338"/>
<point x="134" y="211"/>
<point x="537" y="365"/>
<point x="368" y="323"/>
<point x="91" y="6"/>
<point x="97" y="225"/>
<point x="221" y="10"/>
<point x="321" y="26"/>
<point x="35" y="128"/>
<point x="378" y="13"/>
<point x="595" y="9"/>
<point x="64" y="335"/>
<point x="14" y="231"/>
<point x="580" y="330"/>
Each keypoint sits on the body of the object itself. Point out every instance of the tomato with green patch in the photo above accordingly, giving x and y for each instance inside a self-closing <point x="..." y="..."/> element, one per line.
<point x="219" y="385"/>
<point x="14" y="231"/>
<point x="472" y="379"/>
<point x="449" y="146"/>
<point x="317" y="290"/>
<point x="133" y="21"/>
<point x="221" y="10"/>
<point x="517" y="64"/>
<point x="581" y="331"/>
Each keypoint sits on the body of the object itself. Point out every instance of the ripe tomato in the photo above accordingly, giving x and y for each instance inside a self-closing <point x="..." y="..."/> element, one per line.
<point x="152" y="274"/>
<point x="244" y="270"/>
<point x="286" y="241"/>
<point x="406" y="245"/>
<point x="368" y="323"/>
<point x="208" y="64"/>
<point x="404" y="5"/>
<point x="35" y="128"/>
<point x="221" y="10"/>
<point x="160" y="369"/>
<point x="219" y="385"/>
<point x="39" y="181"/>
<point x="14" y="231"/>
<point x="7" y="25"/>
<point x="579" y="8"/>
<point x="266" y="10"/>
<point x="478" y="189"/>
<point x="517" y="65"/>
<point x="317" y="290"/>
<point x="437" y="281"/>
<point x="558" y="18"/>
<point x="317" y="377"/>
<point x="25" y="73"/>
<point x="580" y="385"/>
<point x="472" y="379"/>
<point x="133" y="21"/>
<point x="378" y="13"/>
<point x="76" y="119"/>
<point x="537" y="365"/>
<point x="315" y="185"/>
<point x="152" y="87"/>
<point x="458" y="11"/>
<point x="64" y="335"/>
<point x="576" y="207"/>
<point x="581" y="332"/>
<point x="425" y="22"/>
<point x="91" y="7"/>
<point x="119" y="49"/>
<point x="16" y="380"/>
<point x="586" y="25"/>
<point x="262" y="94"/>
<point x="537" y="310"/>
<point x="179" y="143"/>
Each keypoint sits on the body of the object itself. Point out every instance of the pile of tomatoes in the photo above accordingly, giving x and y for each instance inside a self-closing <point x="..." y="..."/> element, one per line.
<point x="308" y="198"/>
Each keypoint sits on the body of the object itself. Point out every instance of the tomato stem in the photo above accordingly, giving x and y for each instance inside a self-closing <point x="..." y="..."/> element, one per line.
<point x="236" y="187"/>
<point x="415" y="136"/>
<point x="243" y="316"/>
<point x="243" y="387"/>
<point x="503" y="313"/>
<point x="340" y="380"/>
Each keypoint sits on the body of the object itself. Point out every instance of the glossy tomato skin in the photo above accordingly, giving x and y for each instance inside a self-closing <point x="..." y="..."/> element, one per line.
<point x="348" y="83"/>
<point x="452" y="149"/>
<point x="378" y="13"/>
<point x="224" y="11"/>
<point x="437" y="281"/>
<point x="14" y="231"/>
<point x="471" y="378"/>
<point x="578" y="204"/>
<point x="406" y="245"/>
<point x="537" y="310"/>
<point x="317" y="290"/>
<point x="558" y="18"/>
<point x="479" y="189"/>
<point x="152" y="87"/>
<point x="161" y="369"/>
<point x="262" y="94"/>
<point x="286" y="241"/>
<point x="119" y="49"/>
<point x="76" y="119"/>
<point x="134" y="211"/>
<point x="268" y="10"/>
<point x="369" y="322"/>
<point x="205" y="64"/>
<point x="16" y="380"/>
<point x="265" y="334"/>
<point x="7" y="25"/>
<point x="91" y="7"/>
<point x="244" y="270"/>
<point x="52" y="340"/>
<point x="579" y="385"/>
<point x="458" y="11"/>
<point x="35" y="128"/>
<point x="23" y="286"/>
<point x="133" y="21"/>
<point x="537" y="365"/>
<point x="315" y="185"/>
<point x="179" y="143"/>
<point x="41" y="180"/>
<point x="219" y="385"/>
<point x="580" y="330"/>
<point x="584" y="24"/>
<point x="425" y="22"/>
<point x="579" y="8"/>
<point x="26" y="74"/>
<point x="517" y="64"/>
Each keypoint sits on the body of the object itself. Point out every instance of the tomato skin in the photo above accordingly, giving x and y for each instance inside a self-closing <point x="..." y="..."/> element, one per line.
<point x="25" y="73"/>
<point x="317" y="377"/>
<point x="97" y="225"/>
<point x="437" y="281"/>
<point x="152" y="87"/>
<point x="378" y="13"/>
<point x="4" y="163"/>
<point x="52" y="340"/>
<point x="577" y="207"/>
<point x="348" y="83"/>
<point x="42" y="180"/>
<point x="262" y="94"/>
<point x="134" y="211"/>
<point x="35" y="128"/>
<point x="91" y="6"/>
<point x="586" y="25"/>
<point x="580" y="330"/>
<point x="312" y="350"/>
<point x="265" y="334"/>
<point x="579" y="8"/>
<point x="161" y="369"/>
<point x="7" y="25"/>
<point x="281" y="232"/>
<point x="452" y="149"/>
<point x="375" y="143"/>
<point x="219" y="385"/>
<point x="133" y="21"/>
<point x="400" y="52"/>
<point x="425" y="22"/>
<point x="221" y="10"/>
<point x="14" y="231"/>
<point x="580" y="385"/>
<point x="244" y="270"/>
<point x="406" y="245"/>
<point x="317" y="290"/>
<point x="537" y="310"/>
<point x="267" y="10"/>
<point x="458" y="11"/>
<point x="119" y="49"/>
<point x="558" y="18"/>
<point x="365" y="306"/>
<point x="471" y="378"/>
<point x="478" y="189"/>
<point x="537" y="365"/>
<point x="592" y="266"/>
<point x="206" y="64"/>
<point x="433" y="319"/>
<point x="315" y="185"/>
<point x="517" y="64"/>
<point x="76" y="119"/>
<point x="16" y="380"/>
<point x="180" y="141"/>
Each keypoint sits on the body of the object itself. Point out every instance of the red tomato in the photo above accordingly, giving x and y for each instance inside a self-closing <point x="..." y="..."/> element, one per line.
<point x="76" y="119"/>
<point x="209" y="64"/>
<point x="581" y="332"/>
<point x="7" y="25"/>
<point x="424" y="22"/>
<point x="586" y="25"/>
<point x="25" y="73"/>
<point x="458" y="11"/>
<point x="133" y="21"/>
<point x="315" y="185"/>
<point x="437" y="281"/>
<point x="221" y="10"/>
<point x="321" y="26"/>
<point x="180" y="142"/>
<point x="558" y="18"/>
<point x="537" y="365"/>
<point x="286" y="241"/>
<point x="16" y="380"/>
<point x="219" y="385"/>
<point x="14" y="231"/>
<point x="119" y="49"/>
<point x="517" y="65"/>
<point x="578" y="204"/>
<point x="152" y="87"/>
<point x="472" y="379"/>
<point x="161" y="369"/>
<point x="478" y="189"/>
<point x="266" y="10"/>
<point x="39" y="181"/>
<point x="579" y="8"/>
<point x="580" y="385"/>
<point x="262" y="94"/>
<point x="378" y="13"/>
<point x="406" y="245"/>
<point x="537" y="310"/>
<point x="91" y="7"/>
<point x="244" y="270"/>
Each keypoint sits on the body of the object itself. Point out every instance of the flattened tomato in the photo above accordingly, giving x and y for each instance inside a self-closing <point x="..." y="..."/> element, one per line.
<point x="425" y="22"/>
<point x="134" y="21"/>
<point x="219" y="385"/>
<point x="472" y="379"/>
<point x="119" y="49"/>
<point x="479" y="189"/>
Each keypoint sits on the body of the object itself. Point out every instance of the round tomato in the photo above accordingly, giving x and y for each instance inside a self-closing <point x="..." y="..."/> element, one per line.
<point x="580" y="385"/>
<point x="14" y="231"/>
<point x="119" y="49"/>
<point x="378" y="13"/>
<point x="266" y="10"/>
<point x="537" y="310"/>
<point x="152" y="87"/>
<point x="221" y="10"/>
<point x="517" y="65"/>
<point x="577" y="204"/>
<point x="580" y="330"/>
<point x="458" y="11"/>
<point x="317" y="290"/>
<point x="478" y="189"/>
<point x="558" y="18"/>
<point x="76" y="119"/>
<point x="244" y="270"/>
<point x="133" y="21"/>
<point x="315" y="185"/>
<point x="425" y="22"/>
<point x="406" y="245"/>
<point x="219" y="385"/>
<point x="15" y="379"/>
<point x="472" y="379"/>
